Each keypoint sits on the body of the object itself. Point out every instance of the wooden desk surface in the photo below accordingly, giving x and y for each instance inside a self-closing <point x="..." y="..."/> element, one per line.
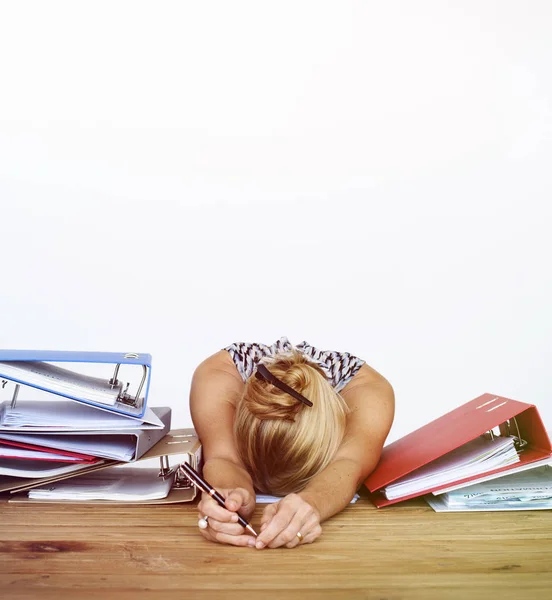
<point x="401" y="552"/>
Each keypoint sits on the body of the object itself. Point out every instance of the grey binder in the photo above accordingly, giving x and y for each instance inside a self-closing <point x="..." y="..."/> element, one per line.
<point x="144" y="438"/>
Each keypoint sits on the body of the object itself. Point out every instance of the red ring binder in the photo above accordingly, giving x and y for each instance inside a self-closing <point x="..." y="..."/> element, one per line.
<point x="476" y="418"/>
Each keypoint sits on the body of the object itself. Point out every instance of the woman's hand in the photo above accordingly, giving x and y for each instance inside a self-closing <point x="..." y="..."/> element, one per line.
<point x="223" y="526"/>
<point x="283" y="520"/>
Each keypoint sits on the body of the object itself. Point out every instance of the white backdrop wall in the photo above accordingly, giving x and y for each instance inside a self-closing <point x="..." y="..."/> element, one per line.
<point x="369" y="176"/>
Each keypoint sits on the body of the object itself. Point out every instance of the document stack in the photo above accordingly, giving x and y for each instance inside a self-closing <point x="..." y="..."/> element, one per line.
<point x="475" y="457"/>
<point x="488" y="438"/>
<point x="62" y="425"/>
<point x="526" y="490"/>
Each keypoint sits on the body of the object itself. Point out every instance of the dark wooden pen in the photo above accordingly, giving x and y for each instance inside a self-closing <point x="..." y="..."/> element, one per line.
<point x="199" y="482"/>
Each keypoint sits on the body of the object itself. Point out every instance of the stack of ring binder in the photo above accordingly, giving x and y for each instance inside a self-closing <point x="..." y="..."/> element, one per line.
<point x="178" y="442"/>
<point x="78" y="423"/>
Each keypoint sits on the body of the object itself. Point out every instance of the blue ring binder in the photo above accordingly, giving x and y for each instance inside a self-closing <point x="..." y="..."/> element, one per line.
<point x="34" y="368"/>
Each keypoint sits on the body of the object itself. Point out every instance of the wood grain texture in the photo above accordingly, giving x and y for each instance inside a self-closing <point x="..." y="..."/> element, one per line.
<point x="405" y="551"/>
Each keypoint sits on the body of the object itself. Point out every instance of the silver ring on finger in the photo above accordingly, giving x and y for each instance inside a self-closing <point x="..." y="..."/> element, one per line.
<point x="203" y="523"/>
<point x="300" y="536"/>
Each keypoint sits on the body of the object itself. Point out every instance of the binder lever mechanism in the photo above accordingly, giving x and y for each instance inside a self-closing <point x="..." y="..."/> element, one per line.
<point x="124" y="397"/>
<point x="166" y="471"/>
<point x="14" y="397"/>
<point x="509" y="428"/>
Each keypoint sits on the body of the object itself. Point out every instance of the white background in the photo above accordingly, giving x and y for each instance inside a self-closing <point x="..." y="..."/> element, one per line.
<point x="368" y="176"/>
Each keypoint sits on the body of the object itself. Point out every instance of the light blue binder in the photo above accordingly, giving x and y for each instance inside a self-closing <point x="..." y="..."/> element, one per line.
<point x="34" y="368"/>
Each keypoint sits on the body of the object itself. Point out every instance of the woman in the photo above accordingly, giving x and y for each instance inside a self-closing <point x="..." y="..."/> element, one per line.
<point x="296" y="422"/>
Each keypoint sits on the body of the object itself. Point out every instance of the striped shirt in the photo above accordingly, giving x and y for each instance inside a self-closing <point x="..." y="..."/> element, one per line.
<point x="339" y="367"/>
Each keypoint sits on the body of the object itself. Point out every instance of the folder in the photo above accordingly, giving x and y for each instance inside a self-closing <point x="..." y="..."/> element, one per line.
<point x="529" y="489"/>
<point x="13" y="449"/>
<point x="39" y="470"/>
<point x="177" y="442"/>
<point x="120" y="484"/>
<point x="487" y="415"/>
<point x="65" y="374"/>
<point x="112" y="444"/>
<point x="34" y="416"/>
<point x="13" y="484"/>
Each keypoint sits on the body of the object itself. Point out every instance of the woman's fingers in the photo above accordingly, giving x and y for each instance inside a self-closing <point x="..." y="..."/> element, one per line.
<point x="209" y="507"/>
<point x="269" y="511"/>
<point x="236" y="499"/>
<point x="310" y="531"/>
<point x="234" y="540"/>
<point x="214" y="526"/>
<point x="226" y="533"/>
<point x="222" y="523"/>
<point x="281" y="522"/>
<point x="288" y="532"/>
<point x="287" y="514"/>
<point x="285" y="519"/>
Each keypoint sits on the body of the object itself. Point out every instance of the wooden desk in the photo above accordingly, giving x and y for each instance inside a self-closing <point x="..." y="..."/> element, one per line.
<point x="401" y="552"/>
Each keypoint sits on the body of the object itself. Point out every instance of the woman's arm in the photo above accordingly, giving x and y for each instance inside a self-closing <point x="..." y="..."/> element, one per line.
<point x="370" y="399"/>
<point x="216" y="387"/>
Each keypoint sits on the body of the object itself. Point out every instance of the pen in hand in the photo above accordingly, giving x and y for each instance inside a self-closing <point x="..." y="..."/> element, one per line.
<point x="199" y="482"/>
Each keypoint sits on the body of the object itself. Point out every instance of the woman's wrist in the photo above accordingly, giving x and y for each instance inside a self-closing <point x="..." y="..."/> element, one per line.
<point x="311" y="499"/>
<point x="223" y="474"/>
<point x="227" y="474"/>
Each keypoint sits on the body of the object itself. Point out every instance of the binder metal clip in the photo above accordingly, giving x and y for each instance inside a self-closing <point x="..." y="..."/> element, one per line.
<point x="519" y="442"/>
<point x="166" y="471"/>
<point x="507" y="429"/>
<point x="124" y="397"/>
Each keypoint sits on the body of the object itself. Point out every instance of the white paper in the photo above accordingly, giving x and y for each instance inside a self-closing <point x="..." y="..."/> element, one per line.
<point x="478" y="456"/>
<point x="60" y="415"/>
<point x="115" y="483"/>
<point x="527" y="488"/>
<point x="26" y="454"/>
<point x="517" y="469"/>
<point x="35" y="469"/>
<point x="60" y="381"/>
<point x="438" y="505"/>
<point x="116" y="447"/>
<point x="268" y="499"/>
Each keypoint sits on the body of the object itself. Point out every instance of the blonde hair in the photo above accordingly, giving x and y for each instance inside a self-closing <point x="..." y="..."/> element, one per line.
<point x="282" y="442"/>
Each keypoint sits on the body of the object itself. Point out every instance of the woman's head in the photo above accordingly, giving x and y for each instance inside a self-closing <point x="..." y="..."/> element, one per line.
<point x="282" y="442"/>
